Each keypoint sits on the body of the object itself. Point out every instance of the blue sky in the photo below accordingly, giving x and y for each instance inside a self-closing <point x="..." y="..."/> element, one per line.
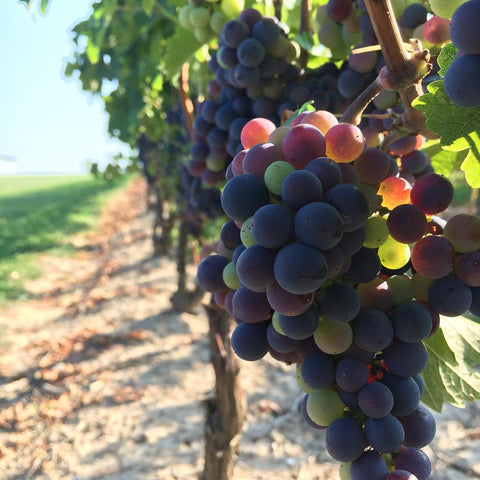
<point x="47" y="123"/>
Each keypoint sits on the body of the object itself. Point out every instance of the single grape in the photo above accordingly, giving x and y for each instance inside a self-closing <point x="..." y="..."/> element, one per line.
<point x="345" y="439"/>
<point x="464" y="29"/>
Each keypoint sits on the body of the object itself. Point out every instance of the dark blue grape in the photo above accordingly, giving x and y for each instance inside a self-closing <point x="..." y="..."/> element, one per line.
<point x="255" y="267"/>
<point x="384" y="434"/>
<point x="372" y="330"/>
<point x="345" y="440"/>
<point x="242" y="196"/>
<point x="249" y="340"/>
<point x="318" y="370"/>
<point x="364" y="267"/>
<point x="209" y="273"/>
<point x="300" y="268"/>
<point x="419" y="427"/>
<point x="299" y="326"/>
<point x="340" y="302"/>
<point x="250" y="306"/>
<point x="406" y="393"/>
<point x="415" y="461"/>
<point x="280" y="343"/>
<point x="300" y="188"/>
<point x="351" y="374"/>
<point x="458" y="80"/>
<point x="369" y="466"/>
<point x="449" y="296"/>
<point x="405" y="359"/>
<point x="411" y="322"/>
<point x="273" y="226"/>
<point x="375" y="400"/>
<point x="464" y="30"/>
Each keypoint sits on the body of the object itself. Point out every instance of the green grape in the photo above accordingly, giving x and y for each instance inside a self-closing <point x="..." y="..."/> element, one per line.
<point x="246" y="233"/>
<point x="217" y="21"/>
<point x="333" y="337"/>
<point x="184" y="16"/>
<point x="324" y="406"/>
<point x="344" y="471"/>
<point x="376" y="231"/>
<point x="230" y="277"/>
<point x="371" y="196"/>
<point x="350" y="38"/>
<point x="213" y="162"/>
<point x="393" y="254"/>
<point x="421" y="286"/>
<point x="275" y="174"/>
<point x="445" y="8"/>
<point x="321" y="16"/>
<point x="300" y="381"/>
<point x="203" y="35"/>
<point x="199" y="17"/>
<point x="330" y="35"/>
<point x="232" y="8"/>
<point x="400" y="288"/>
<point x="279" y="49"/>
<point x="385" y="99"/>
<point x="276" y="324"/>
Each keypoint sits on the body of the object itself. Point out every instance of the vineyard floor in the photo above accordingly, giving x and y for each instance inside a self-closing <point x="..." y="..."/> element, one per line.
<point x="100" y="379"/>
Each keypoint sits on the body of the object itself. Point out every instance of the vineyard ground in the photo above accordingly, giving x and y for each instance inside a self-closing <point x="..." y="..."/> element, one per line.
<point x="100" y="379"/>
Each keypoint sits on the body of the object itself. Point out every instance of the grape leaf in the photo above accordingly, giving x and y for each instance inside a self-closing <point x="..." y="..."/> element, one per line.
<point x="446" y="58"/>
<point x="450" y="376"/>
<point x="471" y="167"/>
<point x="182" y="46"/>
<point x="443" y="161"/>
<point x="456" y="126"/>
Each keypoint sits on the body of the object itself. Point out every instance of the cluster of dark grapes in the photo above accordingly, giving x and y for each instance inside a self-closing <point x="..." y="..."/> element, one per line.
<point x="465" y="34"/>
<point x="255" y="76"/>
<point x="334" y="262"/>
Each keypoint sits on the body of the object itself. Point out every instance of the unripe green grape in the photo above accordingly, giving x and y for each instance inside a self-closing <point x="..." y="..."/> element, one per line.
<point x="230" y="277"/>
<point x="279" y="49"/>
<point x="203" y="35"/>
<point x="293" y="51"/>
<point x="276" y="324"/>
<point x="344" y="471"/>
<point x="232" y="8"/>
<point x="184" y="16"/>
<point x="385" y="99"/>
<point x="321" y="16"/>
<point x="330" y="35"/>
<point x="246" y="233"/>
<point x="217" y="21"/>
<point x="275" y="174"/>
<point x="324" y="406"/>
<point x="214" y="163"/>
<point x="393" y="254"/>
<point x="445" y="8"/>
<point x="333" y="337"/>
<point x="300" y="381"/>
<point x="376" y="232"/>
<point x="199" y="17"/>
<point x="351" y="38"/>
<point x="400" y="288"/>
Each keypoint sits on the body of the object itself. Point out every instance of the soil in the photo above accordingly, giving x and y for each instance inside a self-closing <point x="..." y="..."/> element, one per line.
<point x="101" y="379"/>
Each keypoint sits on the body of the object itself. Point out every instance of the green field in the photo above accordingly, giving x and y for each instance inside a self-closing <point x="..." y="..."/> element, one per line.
<point x="38" y="213"/>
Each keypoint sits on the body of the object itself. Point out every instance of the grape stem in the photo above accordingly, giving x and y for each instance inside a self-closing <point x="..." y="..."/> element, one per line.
<point x="185" y="100"/>
<point x="403" y="70"/>
<point x="354" y="112"/>
<point x="305" y="10"/>
<point x="277" y="8"/>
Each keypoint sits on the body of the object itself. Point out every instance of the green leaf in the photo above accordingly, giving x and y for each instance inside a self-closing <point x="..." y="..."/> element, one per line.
<point x="443" y="161"/>
<point x="148" y="5"/>
<point x="446" y="58"/>
<point x="450" y="376"/>
<point x="305" y="40"/>
<point x="471" y="167"/>
<point x="93" y="52"/>
<point x="456" y="126"/>
<point x="306" y="107"/>
<point x="182" y="47"/>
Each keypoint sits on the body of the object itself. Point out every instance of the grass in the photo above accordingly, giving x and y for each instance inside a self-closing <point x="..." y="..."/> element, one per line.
<point x="37" y="214"/>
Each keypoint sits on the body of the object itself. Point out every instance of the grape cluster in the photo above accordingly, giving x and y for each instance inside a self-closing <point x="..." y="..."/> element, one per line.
<point x="255" y="76"/>
<point x="465" y="34"/>
<point x="207" y="18"/>
<point x="333" y="261"/>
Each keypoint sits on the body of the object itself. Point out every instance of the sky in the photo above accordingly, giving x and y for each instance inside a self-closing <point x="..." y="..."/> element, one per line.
<point x="47" y="123"/>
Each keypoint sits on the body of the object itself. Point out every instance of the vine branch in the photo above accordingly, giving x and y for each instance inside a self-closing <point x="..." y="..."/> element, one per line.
<point x="403" y="70"/>
<point x="185" y="100"/>
<point x="305" y="27"/>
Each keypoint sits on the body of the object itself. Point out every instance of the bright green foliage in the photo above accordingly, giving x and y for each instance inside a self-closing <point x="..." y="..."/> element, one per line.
<point x="453" y="352"/>
<point x="456" y="126"/>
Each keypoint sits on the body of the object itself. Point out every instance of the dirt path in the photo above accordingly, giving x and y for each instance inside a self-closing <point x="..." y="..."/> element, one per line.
<point x="102" y="380"/>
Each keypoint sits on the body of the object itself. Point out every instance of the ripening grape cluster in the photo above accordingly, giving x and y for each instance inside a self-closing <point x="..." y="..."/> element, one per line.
<point x="465" y="34"/>
<point x="334" y="260"/>
<point x="206" y="18"/>
<point x="255" y="76"/>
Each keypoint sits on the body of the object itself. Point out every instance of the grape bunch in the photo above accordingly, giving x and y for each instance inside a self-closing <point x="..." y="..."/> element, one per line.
<point x="206" y="18"/>
<point x="334" y="262"/>
<point x="255" y="76"/>
<point x="465" y="34"/>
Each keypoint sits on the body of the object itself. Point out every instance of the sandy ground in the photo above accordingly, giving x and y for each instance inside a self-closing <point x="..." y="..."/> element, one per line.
<point x="100" y="379"/>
